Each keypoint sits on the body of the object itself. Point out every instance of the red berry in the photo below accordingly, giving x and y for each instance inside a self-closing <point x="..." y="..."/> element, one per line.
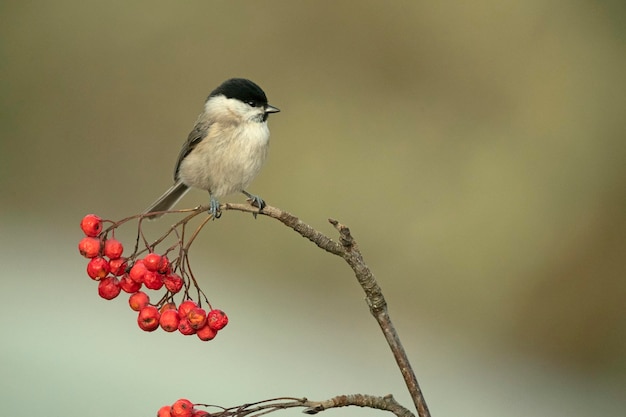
<point x="98" y="268"/>
<point x="217" y="319"/>
<point x="138" y="271"/>
<point x="182" y="408"/>
<point x="168" y="306"/>
<point x="128" y="285"/>
<point x="109" y="288"/>
<point x="206" y="333"/>
<point x="148" y="318"/>
<point x="91" y="225"/>
<point x="185" y="307"/>
<point x="197" y="318"/>
<point x="164" y="411"/>
<point x="153" y="280"/>
<point x="118" y="266"/>
<point x="173" y="283"/>
<point x="185" y="328"/>
<point x="164" y="265"/>
<point x="169" y="320"/>
<point x="138" y="300"/>
<point x="113" y="248"/>
<point x="152" y="261"/>
<point x="89" y="247"/>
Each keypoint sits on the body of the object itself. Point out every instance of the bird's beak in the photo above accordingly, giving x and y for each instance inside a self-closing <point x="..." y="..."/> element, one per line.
<point x="271" y="109"/>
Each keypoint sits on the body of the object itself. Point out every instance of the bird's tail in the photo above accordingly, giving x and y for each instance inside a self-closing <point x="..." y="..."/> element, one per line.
<point x="167" y="200"/>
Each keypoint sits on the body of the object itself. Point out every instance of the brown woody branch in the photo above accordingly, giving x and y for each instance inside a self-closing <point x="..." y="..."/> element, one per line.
<point x="348" y="249"/>
<point x="386" y="403"/>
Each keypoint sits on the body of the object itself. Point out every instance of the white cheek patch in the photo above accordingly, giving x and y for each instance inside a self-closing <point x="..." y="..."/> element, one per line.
<point x="229" y="110"/>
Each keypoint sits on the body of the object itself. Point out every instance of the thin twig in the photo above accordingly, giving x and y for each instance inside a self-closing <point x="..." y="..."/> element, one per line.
<point x="386" y="403"/>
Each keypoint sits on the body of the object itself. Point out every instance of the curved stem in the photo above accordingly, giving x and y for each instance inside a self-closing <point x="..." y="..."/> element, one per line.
<point x="347" y="248"/>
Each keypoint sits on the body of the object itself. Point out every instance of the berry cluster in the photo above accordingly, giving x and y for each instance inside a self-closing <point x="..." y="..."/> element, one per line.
<point x="181" y="408"/>
<point x="116" y="273"/>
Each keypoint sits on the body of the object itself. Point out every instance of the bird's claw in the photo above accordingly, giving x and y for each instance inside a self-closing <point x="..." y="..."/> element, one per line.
<point x="214" y="208"/>
<point x="256" y="201"/>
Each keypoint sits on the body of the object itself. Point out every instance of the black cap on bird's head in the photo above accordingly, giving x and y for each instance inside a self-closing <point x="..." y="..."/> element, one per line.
<point x="246" y="91"/>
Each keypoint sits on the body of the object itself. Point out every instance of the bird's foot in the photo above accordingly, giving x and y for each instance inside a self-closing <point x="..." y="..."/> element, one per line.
<point x="255" y="200"/>
<point x="214" y="208"/>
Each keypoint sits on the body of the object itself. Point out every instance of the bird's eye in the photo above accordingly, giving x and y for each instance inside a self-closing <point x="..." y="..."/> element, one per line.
<point x="251" y="103"/>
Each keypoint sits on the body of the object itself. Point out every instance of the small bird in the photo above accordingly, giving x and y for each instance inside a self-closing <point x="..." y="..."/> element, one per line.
<point x="226" y="148"/>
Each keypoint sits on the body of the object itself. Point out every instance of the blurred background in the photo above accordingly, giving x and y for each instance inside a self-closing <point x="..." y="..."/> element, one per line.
<point x="476" y="150"/>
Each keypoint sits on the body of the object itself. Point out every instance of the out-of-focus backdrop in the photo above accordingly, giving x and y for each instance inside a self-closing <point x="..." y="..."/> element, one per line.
<point x="476" y="150"/>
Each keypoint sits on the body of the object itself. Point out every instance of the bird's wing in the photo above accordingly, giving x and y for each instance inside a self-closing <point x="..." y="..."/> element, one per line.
<point x="199" y="132"/>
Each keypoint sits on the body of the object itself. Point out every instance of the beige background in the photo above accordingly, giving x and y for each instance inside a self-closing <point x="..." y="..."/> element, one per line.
<point x="475" y="149"/>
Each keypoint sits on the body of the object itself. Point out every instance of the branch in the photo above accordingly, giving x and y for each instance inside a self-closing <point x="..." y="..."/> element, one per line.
<point x="348" y="249"/>
<point x="386" y="403"/>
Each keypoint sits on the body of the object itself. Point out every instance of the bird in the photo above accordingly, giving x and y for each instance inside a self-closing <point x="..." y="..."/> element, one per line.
<point x="225" y="150"/>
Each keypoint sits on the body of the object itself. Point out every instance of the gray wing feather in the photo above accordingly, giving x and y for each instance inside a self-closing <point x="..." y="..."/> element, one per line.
<point x="198" y="133"/>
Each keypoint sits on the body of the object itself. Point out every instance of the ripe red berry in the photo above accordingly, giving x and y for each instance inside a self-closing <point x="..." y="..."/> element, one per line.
<point x="148" y="318"/>
<point x="164" y="265"/>
<point x="169" y="320"/>
<point x="185" y="307"/>
<point x="152" y="261"/>
<point x="196" y="317"/>
<point x="89" y="247"/>
<point x="164" y="411"/>
<point x="113" y="248"/>
<point x="185" y="328"/>
<point x="206" y="333"/>
<point x="138" y="271"/>
<point x="91" y="225"/>
<point x="128" y="285"/>
<point x="98" y="268"/>
<point x="109" y="287"/>
<point x="182" y="408"/>
<point x="173" y="283"/>
<point x="153" y="280"/>
<point x="118" y="266"/>
<point x="168" y="306"/>
<point x="217" y="319"/>
<point x="138" y="300"/>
